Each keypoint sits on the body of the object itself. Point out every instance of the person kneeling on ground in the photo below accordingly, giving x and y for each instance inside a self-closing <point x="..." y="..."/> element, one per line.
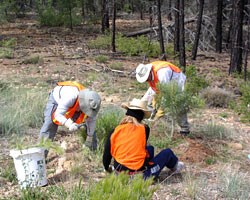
<point x="127" y="145"/>
<point x="70" y="104"/>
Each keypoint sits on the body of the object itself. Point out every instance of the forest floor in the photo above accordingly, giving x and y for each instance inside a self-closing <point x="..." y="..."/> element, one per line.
<point x="66" y="56"/>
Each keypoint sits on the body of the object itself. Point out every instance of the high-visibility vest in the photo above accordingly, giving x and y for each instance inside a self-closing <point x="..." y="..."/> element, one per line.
<point x="72" y="110"/>
<point x="128" y="145"/>
<point x="159" y="65"/>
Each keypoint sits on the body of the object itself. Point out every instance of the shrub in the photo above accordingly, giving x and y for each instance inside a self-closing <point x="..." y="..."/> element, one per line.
<point x="8" y="43"/>
<point x="50" y="17"/>
<point x="107" y="120"/>
<point x="137" y="46"/>
<point x="101" y="59"/>
<point x="175" y="102"/>
<point x="32" y="60"/>
<point x="217" y="97"/>
<point x="130" y="46"/>
<point x="102" y="42"/>
<point x="245" y="90"/>
<point x="6" y="53"/>
<point x="212" y="131"/>
<point x="194" y="83"/>
<point x="116" y="66"/>
<point x="123" y="187"/>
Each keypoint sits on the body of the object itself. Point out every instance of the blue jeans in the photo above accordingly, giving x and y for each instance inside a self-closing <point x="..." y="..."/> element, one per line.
<point x="166" y="158"/>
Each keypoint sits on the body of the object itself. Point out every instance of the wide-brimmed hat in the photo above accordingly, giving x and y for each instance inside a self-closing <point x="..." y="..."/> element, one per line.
<point x="138" y="104"/>
<point x="90" y="102"/>
<point x="142" y="72"/>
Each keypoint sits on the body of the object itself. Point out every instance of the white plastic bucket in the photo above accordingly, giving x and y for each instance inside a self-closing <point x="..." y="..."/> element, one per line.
<point x="30" y="167"/>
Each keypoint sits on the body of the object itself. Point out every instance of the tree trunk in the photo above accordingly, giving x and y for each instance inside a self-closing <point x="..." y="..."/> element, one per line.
<point x="198" y="31"/>
<point x="141" y="8"/>
<point x="169" y="16"/>
<point x="182" y="37"/>
<point x="113" y="26"/>
<point x="70" y="16"/>
<point x="236" y="37"/>
<point x="83" y="7"/>
<point x="176" y="27"/>
<point x="247" y="46"/>
<point x="161" y="40"/>
<point x="219" y="26"/>
<point x="105" y="16"/>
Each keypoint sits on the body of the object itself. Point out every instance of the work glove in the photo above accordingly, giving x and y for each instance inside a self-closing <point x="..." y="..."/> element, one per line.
<point x="71" y="125"/>
<point x="91" y="142"/>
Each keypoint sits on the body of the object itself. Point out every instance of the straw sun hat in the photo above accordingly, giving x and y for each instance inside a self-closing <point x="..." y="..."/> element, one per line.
<point x="142" y="72"/>
<point x="137" y="104"/>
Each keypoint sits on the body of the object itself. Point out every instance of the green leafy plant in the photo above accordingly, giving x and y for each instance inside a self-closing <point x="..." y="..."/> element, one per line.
<point x="244" y="106"/>
<point x="6" y="53"/>
<point x="101" y="59"/>
<point x="102" y="42"/>
<point x="8" y="172"/>
<point x="195" y="83"/>
<point x="123" y="187"/>
<point x="32" y="60"/>
<point x="116" y="65"/>
<point x="129" y="46"/>
<point x="107" y="120"/>
<point x="33" y="193"/>
<point x="174" y="101"/>
<point x="8" y="43"/>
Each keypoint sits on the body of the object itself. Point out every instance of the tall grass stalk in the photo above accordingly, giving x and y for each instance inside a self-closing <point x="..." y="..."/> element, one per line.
<point x="234" y="184"/>
<point x="212" y="131"/>
<point x="20" y="109"/>
<point x="194" y="185"/>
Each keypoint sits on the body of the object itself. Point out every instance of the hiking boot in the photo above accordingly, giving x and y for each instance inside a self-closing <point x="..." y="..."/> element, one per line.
<point x="178" y="167"/>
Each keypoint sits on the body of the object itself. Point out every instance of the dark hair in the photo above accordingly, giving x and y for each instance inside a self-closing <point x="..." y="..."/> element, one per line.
<point x="138" y="114"/>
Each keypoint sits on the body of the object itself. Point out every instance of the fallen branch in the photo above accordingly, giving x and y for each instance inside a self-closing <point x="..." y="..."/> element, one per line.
<point x="155" y="28"/>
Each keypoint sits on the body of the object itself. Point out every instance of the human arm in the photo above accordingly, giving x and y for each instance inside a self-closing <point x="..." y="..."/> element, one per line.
<point x="147" y="129"/>
<point x="149" y="95"/>
<point x="90" y="125"/>
<point x="107" y="157"/>
<point x="65" y="97"/>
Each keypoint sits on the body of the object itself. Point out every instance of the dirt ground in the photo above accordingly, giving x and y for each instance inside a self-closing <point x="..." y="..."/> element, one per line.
<point x="66" y="55"/>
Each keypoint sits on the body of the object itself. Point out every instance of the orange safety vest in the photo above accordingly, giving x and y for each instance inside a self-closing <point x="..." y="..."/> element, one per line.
<point x="128" y="145"/>
<point x="159" y="65"/>
<point x="71" y="111"/>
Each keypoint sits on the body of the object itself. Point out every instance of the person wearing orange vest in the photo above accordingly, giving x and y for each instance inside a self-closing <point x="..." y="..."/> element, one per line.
<point x="70" y="104"/>
<point x="127" y="145"/>
<point x="162" y="72"/>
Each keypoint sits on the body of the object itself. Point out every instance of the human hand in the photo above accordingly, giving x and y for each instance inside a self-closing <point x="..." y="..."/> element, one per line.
<point x="110" y="169"/>
<point x="71" y="125"/>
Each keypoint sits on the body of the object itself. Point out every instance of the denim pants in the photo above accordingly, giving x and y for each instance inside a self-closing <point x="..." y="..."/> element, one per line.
<point x="49" y="129"/>
<point x="166" y="158"/>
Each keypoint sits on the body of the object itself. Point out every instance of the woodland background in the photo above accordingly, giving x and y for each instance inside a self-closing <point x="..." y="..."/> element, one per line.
<point x="100" y="43"/>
